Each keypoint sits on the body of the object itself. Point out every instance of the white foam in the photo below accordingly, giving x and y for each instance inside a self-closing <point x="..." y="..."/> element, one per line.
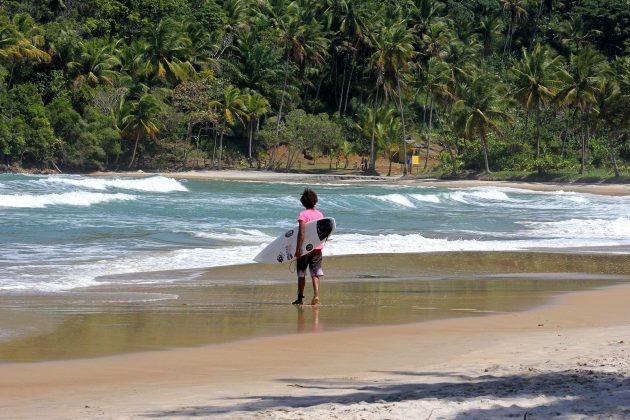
<point x="581" y="228"/>
<point x="397" y="199"/>
<point x="428" y="198"/>
<point x="83" y="199"/>
<point x="251" y="236"/>
<point x="478" y="195"/>
<point x="159" y="184"/>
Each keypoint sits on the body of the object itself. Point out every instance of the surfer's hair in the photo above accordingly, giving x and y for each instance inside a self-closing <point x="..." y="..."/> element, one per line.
<point x="309" y="198"/>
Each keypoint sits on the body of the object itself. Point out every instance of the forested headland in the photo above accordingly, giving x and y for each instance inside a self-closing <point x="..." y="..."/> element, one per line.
<point x="464" y="85"/>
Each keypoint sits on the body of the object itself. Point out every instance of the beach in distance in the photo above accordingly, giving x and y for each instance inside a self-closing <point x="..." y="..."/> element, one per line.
<point x="134" y="295"/>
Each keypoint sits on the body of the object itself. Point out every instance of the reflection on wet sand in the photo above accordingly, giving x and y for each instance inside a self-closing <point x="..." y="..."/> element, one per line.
<point x="308" y="319"/>
<point x="224" y="304"/>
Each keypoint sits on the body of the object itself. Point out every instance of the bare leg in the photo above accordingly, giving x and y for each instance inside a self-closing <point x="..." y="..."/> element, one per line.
<point x="315" y="300"/>
<point x="301" y="284"/>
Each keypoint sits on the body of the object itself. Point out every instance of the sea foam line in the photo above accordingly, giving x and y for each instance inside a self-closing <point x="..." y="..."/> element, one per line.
<point x="158" y="184"/>
<point x="78" y="198"/>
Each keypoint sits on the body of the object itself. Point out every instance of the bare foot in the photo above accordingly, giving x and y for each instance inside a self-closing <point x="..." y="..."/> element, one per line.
<point x="315" y="301"/>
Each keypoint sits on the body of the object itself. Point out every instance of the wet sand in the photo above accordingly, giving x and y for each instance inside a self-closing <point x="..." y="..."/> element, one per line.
<point x="570" y="354"/>
<point x="265" y="176"/>
<point x="218" y="305"/>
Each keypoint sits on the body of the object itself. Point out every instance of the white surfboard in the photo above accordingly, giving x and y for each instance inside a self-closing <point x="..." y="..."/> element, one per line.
<point x="282" y="248"/>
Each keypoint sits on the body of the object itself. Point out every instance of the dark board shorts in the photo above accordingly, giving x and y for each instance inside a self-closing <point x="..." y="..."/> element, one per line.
<point x="312" y="260"/>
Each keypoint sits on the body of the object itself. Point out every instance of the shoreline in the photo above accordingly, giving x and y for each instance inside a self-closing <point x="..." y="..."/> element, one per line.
<point x="187" y="308"/>
<point x="373" y="372"/>
<point x="264" y="176"/>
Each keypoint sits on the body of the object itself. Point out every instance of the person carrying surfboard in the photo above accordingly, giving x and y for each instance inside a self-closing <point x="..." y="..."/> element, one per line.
<point x="314" y="258"/>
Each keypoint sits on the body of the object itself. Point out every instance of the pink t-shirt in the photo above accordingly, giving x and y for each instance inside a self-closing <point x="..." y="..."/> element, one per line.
<point x="308" y="215"/>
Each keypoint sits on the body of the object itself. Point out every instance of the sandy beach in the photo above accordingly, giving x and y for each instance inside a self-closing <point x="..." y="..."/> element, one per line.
<point x="454" y="335"/>
<point x="253" y="175"/>
<point x="569" y="357"/>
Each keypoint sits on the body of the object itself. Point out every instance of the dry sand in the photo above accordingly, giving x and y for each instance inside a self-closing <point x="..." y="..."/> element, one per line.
<point x="570" y="358"/>
<point x="252" y="175"/>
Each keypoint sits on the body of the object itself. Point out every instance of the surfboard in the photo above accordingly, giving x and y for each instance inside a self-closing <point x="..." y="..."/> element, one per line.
<point x="282" y="248"/>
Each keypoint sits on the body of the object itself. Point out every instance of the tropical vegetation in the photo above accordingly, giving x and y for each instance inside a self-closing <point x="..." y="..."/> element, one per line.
<point x="462" y="85"/>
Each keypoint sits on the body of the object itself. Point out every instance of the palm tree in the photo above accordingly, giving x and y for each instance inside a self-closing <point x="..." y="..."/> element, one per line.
<point x="20" y="40"/>
<point x="609" y="100"/>
<point x="256" y="106"/>
<point x="482" y="109"/>
<point x="303" y="43"/>
<point x="490" y="28"/>
<point x="438" y="75"/>
<point x="537" y="78"/>
<point x="423" y="13"/>
<point x="96" y="63"/>
<point x="141" y="120"/>
<point x="231" y="108"/>
<point x="436" y="38"/>
<point x="579" y="92"/>
<point x="388" y="131"/>
<point x="165" y="51"/>
<point x="258" y="66"/>
<point x="517" y="14"/>
<point x="575" y="33"/>
<point x="393" y="51"/>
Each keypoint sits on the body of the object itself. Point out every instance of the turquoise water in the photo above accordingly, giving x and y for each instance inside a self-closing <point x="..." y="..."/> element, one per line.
<point x="59" y="233"/>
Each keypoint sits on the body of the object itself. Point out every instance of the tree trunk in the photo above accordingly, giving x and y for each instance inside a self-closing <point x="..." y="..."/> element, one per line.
<point x="402" y="119"/>
<point x="284" y="88"/>
<point x="214" y="147"/>
<point x="343" y="83"/>
<point x="538" y="166"/>
<point x="453" y="160"/>
<point x="345" y="107"/>
<point x="583" y="163"/>
<point x="372" y="150"/>
<point x="135" y="147"/>
<point x="389" y="170"/>
<point x="221" y="149"/>
<point x="251" y="136"/>
<point x="611" y="150"/>
<point x="426" y="160"/>
<point x="531" y="43"/>
<point x="485" y="150"/>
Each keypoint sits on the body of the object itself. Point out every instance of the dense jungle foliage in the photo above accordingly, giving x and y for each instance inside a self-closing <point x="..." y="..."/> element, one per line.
<point x="488" y="84"/>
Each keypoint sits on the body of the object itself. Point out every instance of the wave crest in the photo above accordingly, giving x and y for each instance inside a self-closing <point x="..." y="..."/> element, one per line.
<point x="79" y="198"/>
<point x="159" y="184"/>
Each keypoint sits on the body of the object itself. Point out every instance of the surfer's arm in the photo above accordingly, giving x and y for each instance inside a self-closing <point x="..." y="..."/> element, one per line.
<point x="300" y="239"/>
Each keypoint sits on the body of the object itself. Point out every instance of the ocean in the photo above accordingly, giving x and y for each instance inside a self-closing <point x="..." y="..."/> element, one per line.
<point x="64" y="232"/>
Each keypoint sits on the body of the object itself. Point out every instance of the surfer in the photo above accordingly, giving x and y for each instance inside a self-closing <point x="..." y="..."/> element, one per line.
<point x="314" y="258"/>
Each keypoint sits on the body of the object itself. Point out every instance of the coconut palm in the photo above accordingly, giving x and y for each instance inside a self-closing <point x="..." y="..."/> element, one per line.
<point x="165" y="51"/>
<point x="608" y="100"/>
<point x="482" y="109"/>
<point x="255" y="106"/>
<point x="537" y="78"/>
<point x="302" y="41"/>
<point x="258" y="66"/>
<point x="423" y="13"/>
<point x="393" y="51"/>
<point x="140" y="121"/>
<point x="388" y="130"/>
<point x="579" y="91"/>
<point x="231" y="109"/>
<point x="437" y="77"/>
<point x="515" y="9"/>
<point x="20" y="40"/>
<point x="96" y="63"/>
<point x="575" y="33"/>
<point x="490" y="29"/>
